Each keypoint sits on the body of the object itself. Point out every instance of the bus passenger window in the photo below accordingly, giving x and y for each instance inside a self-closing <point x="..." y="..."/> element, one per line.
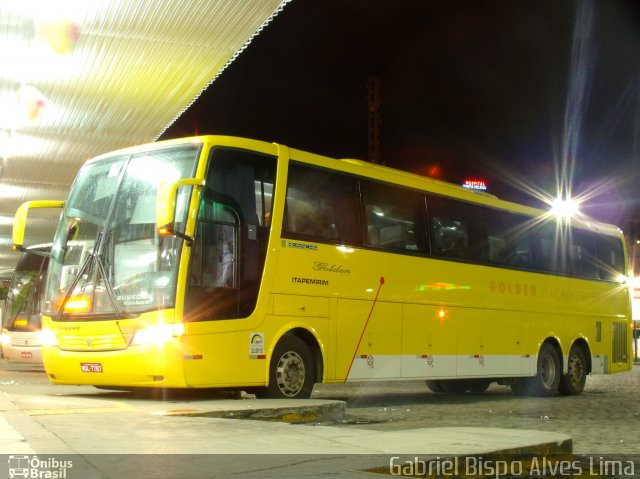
<point x="321" y="206"/>
<point x="495" y="249"/>
<point x="395" y="236"/>
<point x="610" y="258"/>
<point x="583" y="255"/>
<point x="395" y="218"/>
<point x="456" y="229"/>
<point x="312" y="217"/>
<point x="549" y="248"/>
<point x="508" y="241"/>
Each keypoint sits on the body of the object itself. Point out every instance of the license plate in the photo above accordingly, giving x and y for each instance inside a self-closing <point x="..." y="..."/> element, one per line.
<point x="91" y="367"/>
<point x="26" y="355"/>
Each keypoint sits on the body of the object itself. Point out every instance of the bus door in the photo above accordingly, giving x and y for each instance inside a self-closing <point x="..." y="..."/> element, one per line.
<point x="232" y="233"/>
<point x="227" y="263"/>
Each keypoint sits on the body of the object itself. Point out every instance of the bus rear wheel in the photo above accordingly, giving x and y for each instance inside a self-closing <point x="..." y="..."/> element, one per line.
<point x="547" y="379"/>
<point x="573" y="382"/>
<point x="291" y="371"/>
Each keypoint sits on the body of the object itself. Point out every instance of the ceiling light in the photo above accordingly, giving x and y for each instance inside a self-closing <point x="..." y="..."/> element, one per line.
<point x="11" y="191"/>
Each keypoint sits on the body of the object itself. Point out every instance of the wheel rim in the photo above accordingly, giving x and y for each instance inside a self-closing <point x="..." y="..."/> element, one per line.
<point x="575" y="370"/>
<point x="548" y="371"/>
<point x="290" y="374"/>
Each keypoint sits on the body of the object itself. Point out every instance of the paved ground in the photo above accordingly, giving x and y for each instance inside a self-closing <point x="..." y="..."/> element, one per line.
<point x="604" y="419"/>
<point x="381" y="419"/>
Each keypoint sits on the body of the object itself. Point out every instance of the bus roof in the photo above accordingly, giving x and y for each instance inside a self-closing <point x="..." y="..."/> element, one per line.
<point x="374" y="171"/>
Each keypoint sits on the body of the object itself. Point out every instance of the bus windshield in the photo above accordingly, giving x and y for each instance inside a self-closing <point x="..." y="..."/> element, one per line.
<point x="22" y="307"/>
<point x="107" y="257"/>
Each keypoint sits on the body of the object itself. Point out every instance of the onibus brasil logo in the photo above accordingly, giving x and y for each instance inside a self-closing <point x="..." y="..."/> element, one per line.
<point x="34" y="467"/>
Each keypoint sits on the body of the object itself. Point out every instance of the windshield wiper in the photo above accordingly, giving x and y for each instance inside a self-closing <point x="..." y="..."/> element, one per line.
<point x="110" y="293"/>
<point x="93" y="274"/>
<point x="71" y="288"/>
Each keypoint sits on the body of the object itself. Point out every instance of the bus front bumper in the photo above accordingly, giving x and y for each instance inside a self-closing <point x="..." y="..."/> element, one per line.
<point x="21" y="347"/>
<point x="137" y="366"/>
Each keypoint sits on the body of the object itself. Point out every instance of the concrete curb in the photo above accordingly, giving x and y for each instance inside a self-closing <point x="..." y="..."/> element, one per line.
<point x="289" y="411"/>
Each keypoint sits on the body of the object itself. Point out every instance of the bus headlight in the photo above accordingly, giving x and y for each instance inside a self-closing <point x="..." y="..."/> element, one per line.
<point x="159" y="334"/>
<point x="48" y="337"/>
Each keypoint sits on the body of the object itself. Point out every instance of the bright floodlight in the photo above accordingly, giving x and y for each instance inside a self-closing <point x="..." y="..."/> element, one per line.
<point x="565" y="208"/>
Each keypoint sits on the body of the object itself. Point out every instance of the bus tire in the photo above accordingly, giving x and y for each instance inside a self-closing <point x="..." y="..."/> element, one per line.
<point x="434" y="386"/>
<point x="547" y="379"/>
<point x="291" y="371"/>
<point x="520" y="387"/>
<point x="573" y="382"/>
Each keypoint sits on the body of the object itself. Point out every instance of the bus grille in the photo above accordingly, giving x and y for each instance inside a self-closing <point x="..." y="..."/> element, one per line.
<point x="103" y="342"/>
<point x="620" y="341"/>
<point x="22" y="342"/>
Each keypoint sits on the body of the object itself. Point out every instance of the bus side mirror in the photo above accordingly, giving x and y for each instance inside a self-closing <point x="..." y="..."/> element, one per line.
<point x="166" y="204"/>
<point x="20" y="219"/>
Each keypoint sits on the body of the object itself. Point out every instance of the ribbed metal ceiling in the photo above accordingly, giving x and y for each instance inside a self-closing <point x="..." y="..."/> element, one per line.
<point x="82" y="77"/>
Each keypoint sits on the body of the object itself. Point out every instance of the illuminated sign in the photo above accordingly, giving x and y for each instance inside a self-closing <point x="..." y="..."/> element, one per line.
<point x="475" y="184"/>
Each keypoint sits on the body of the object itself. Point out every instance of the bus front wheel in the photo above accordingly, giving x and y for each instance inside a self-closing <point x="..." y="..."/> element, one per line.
<point x="291" y="372"/>
<point x="573" y="382"/>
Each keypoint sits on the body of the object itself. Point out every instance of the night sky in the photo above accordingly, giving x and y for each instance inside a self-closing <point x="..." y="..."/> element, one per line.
<point x="503" y="90"/>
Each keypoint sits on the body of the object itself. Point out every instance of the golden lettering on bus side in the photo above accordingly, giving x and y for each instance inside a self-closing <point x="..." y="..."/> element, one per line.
<point x="333" y="268"/>
<point x="514" y="289"/>
<point x="558" y="294"/>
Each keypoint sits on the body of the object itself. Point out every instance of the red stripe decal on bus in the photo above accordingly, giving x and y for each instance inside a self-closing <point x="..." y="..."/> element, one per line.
<point x="375" y="299"/>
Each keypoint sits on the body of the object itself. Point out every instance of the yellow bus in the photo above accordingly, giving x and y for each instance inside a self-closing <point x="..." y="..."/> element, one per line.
<point x="221" y="262"/>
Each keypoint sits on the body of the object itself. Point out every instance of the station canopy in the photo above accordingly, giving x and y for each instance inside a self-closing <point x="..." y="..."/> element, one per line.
<point x="80" y="78"/>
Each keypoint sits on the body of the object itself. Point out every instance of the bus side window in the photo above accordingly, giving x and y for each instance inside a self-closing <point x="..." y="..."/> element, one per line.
<point x="610" y="258"/>
<point x="456" y="229"/>
<point x="549" y="247"/>
<point x="313" y="217"/>
<point x="495" y="249"/>
<point x="508" y="241"/>
<point x="320" y="206"/>
<point x="395" y="218"/>
<point x="582" y="253"/>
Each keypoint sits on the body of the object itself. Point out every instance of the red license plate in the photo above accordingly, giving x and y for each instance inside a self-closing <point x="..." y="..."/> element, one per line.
<point x="26" y="355"/>
<point x="91" y="367"/>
